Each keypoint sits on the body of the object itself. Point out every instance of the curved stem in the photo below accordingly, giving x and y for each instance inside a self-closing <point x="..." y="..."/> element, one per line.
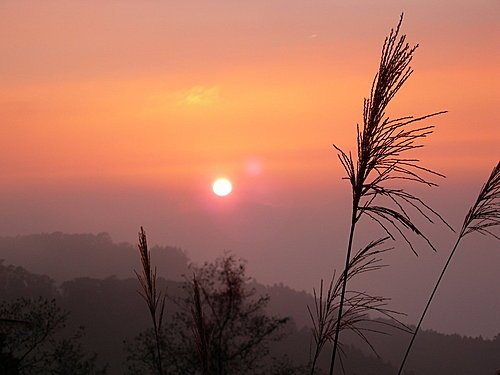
<point x="428" y="304"/>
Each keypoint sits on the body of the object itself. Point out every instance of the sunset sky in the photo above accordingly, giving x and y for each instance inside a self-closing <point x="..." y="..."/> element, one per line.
<point x="117" y="114"/>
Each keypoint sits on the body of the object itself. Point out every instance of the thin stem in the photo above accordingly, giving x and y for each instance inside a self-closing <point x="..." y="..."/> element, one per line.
<point x="428" y="304"/>
<point x="344" y="284"/>
<point x="482" y="216"/>
<point x="313" y="366"/>
<point x="158" y="349"/>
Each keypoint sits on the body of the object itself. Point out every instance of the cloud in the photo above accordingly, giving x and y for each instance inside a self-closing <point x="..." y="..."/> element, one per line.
<point x="200" y="96"/>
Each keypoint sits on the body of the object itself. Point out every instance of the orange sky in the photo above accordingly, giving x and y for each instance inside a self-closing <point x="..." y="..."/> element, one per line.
<point x="116" y="114"/>
<point x="166" y="89"/>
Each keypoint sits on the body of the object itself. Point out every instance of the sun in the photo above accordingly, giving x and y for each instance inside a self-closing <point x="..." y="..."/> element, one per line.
<point x="222" y="187"/>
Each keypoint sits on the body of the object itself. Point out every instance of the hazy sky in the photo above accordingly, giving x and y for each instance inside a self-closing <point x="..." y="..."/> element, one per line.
<point x="116" y="114"/>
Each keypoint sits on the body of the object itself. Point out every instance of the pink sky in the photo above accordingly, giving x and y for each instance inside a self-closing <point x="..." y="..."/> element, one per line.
<point x="118" y="114"/>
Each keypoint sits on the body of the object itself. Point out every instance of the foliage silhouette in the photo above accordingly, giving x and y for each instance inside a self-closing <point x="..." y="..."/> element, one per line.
<point x="220" y="327"/>
<point x="31" y="343"/>
<point x="382" y="145"/>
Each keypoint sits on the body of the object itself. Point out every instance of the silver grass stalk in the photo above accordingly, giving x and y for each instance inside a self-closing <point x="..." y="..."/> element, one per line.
<point x="382" y="146"/>
<point x="154" y="299"/>
<point x="200" y="329"/>
<point x="482" y="217"/>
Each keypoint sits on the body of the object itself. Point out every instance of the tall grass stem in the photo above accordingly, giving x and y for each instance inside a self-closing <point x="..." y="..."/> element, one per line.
<point x="344" y="285"/>
<point x="417" y="328"/>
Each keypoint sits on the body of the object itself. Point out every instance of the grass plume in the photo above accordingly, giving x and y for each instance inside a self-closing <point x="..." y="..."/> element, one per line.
<point x="200" y="329"/>
<point x="382" y="146"/>
<point x="154" y="299"/>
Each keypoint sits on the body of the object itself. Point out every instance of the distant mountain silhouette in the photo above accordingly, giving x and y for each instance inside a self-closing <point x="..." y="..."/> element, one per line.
<point x="68" y="256"/>
<point x="437" y="353"/>
<point x="112" y="311"/>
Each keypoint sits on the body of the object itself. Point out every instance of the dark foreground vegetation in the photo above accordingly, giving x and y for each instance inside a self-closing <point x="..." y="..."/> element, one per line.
<point x="116" y="320"/>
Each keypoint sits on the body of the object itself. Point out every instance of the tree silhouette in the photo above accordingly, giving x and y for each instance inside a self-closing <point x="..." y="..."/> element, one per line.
<point x="220" y="327"/>
<point x="30" y="341"/>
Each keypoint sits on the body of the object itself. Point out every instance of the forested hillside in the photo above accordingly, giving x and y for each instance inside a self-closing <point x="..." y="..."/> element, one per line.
<point x="113" y="312"/>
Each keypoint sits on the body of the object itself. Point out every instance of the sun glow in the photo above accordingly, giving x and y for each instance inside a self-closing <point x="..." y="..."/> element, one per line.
<point x="222" y="187"/>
